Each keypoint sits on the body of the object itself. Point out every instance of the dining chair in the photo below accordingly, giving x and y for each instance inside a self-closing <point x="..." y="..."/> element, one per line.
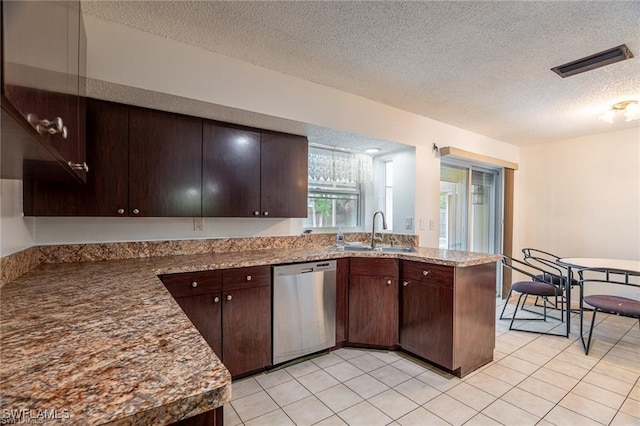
<point x="531" y="286"/>
<point x="615" y="279"/>
<point x="554" y="273"/>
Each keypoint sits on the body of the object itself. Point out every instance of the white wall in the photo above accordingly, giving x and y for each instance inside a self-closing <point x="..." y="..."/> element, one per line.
<point x="581" y="197"/>
<point x="130" y="57"/>
<point x="16" y="231"/>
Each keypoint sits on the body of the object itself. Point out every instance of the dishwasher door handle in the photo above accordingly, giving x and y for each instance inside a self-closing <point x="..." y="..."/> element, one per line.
<point x="306" y="271"/>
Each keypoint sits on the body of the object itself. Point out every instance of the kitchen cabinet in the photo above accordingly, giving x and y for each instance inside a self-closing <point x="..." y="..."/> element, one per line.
<point x="208" y="418"/>
<point x="232" y="310"/>
<point x="248" y="172"/>
<point x="373" y="302"/>
<point x="342" y="300"/>
<point x="44" y="64"/>
<point x="448" y="314"/>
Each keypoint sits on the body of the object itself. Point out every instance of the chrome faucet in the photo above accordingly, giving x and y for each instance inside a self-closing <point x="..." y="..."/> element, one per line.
<point x="373" y="228"/>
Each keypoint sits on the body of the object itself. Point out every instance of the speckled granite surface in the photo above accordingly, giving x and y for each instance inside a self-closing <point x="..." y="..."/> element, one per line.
<point x="107" y="342"/>
<point x="17" y="264"/>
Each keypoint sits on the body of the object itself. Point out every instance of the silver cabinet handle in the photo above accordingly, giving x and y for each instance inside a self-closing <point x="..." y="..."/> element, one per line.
<point x="136" y="211"/>
<point x="265" y="213"/>
<point x="229" y="297"/>
<point x="256" y="213"/>
<point x="405" y="283"/>
<point x="194" y="284"/>
<point x="425" y="273"/>
<point x="248" y="277"/>
<point x="49" y="126"/>
<point x="120" y="211"/>
<point x="216" y="299"/>
<point x="79" y="166"/>
<point x="388" y="282"/>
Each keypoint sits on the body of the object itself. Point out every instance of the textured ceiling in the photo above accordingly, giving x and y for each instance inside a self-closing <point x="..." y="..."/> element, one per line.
<point x="483" y="66"/>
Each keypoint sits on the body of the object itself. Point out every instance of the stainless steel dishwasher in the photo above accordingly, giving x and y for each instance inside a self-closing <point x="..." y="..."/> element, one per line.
<point x="304" y="309"/>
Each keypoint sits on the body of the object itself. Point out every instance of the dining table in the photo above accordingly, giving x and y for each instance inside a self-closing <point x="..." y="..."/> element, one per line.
<point x="576" y="263"/>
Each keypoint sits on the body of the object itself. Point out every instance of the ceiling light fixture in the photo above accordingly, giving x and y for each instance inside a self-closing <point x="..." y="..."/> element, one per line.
<point x="630" y="109"/>
<point x="372" y="150"/>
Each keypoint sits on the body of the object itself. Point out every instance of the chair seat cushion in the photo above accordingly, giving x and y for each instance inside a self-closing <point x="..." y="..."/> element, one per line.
<point x="535" y="288"/>
<point x="615" y="304"/>
<point x="553" y="279"/>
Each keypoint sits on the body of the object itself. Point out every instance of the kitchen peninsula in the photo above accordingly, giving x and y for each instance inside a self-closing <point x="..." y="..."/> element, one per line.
<point x="105" y="342"/>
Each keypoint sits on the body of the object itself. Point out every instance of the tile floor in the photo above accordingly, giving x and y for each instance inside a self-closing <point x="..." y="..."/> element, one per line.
<point x="533" y="380"/>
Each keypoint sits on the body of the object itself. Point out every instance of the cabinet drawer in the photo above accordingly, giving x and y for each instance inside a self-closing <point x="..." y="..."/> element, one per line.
<point x="180" y="285"/>
<point x="427" y="272"/>
<point x="373" y="266"/>
<point x="235" y="279"/>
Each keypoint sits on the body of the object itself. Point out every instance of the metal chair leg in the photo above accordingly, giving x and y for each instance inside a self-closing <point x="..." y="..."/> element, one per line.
<point x="513" y="317"/>
<point x="593" y="320"/>
<point x="505" y="304"/>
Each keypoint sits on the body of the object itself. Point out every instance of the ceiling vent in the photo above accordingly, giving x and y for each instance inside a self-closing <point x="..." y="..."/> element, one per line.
<point x="592" y="62"/>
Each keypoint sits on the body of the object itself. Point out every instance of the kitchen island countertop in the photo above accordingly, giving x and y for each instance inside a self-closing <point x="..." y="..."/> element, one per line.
<point x="104" y="342"/>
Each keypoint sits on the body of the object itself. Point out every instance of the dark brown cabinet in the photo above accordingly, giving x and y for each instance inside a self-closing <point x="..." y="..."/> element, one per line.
<point x="44" y="60"/>
<point x="373" y="302"/>
<point x="165" y="164"/>
<point x="342" y="300"/>
<point x="248" y="172"/>
<point x="232" y="310"/>
<point x="448" y="314"/>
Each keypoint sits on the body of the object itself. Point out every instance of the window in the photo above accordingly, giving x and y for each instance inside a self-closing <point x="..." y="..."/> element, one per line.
<point x="335" y="188"/>
<point x="388" y="193"/>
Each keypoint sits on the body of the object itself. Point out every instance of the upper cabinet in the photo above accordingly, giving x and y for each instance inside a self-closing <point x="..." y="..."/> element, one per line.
<point x="44" y="61"/>
<point x="248" y="172"/>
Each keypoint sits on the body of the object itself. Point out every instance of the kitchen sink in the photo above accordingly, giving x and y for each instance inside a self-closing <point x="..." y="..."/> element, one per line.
<point x="381" y="248"/>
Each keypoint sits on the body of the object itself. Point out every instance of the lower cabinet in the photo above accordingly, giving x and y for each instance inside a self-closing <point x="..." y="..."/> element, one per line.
<point x="447" y="314"/>
<point x="373" y="302"/>
<point x="209" y="418"/>
<point x="232" y="310"/>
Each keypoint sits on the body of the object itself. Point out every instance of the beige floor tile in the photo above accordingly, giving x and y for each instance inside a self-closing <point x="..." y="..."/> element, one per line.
<point x="631" y="407"/>
<point x="635" y="393"/>
<point x="540" y="348"/>
<point x="364" y="414"/>
<point x="390" y="375"/>
<point x="588" y="408"/>
<point x="332" y="421"/>
<point x="348" y="353"/>
<point x="505" y="374"/>
<point x="543" y="390"/>
<point x="303" y="368"/>
<point x="554" y="378"/>
<point x="393" y="404"/>
<point x="388" y="357"/>
<point x="410" y="367"/>
<point x="562" y="417"/>
<point x="471" y="396"/>
<point x="307" y="411"/>
<point x="529" y="402"/>
<point x="633" y="366"/>
<point x="288" y="393"/>
<point x="450" y="410"/>
<point x="567" y="369"/>
<point x="506" y="348"/>
<point x="242" y="388"/>
<point x="598" y="394"/>
<point x="274" y="418"/>
<point x="623" y="419"/>
<point x="344" y="371"/>
<point x="519" y="365"/>
<point x="508" y="414"/>
<point x="438" y="379"/>
<point x="617" y="372"/>
<point x="327" y="360"/>
<point x="366" y="386"/>
<point x="318" y="381"/>
<point x="421" y="417"/>
<point x="339" y="397"/>
<point x="273" y="378"/>
<point x="579" y="359"/>
<point x="367" y="362"/>
<point x="536" y="358"/>
<point x="489" y="384"/>
<point x="482" y="420"/>
<point x="417" y="391"/>
<point x="254" y="405"/>
<point x="230" y="417"/>
<point x="608" y="383"/>
<point x="543" y="422"/>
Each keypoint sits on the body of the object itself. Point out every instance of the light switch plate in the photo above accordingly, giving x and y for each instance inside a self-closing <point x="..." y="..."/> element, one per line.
<point x="198" y="224"/>
<point x="408" y="223"/>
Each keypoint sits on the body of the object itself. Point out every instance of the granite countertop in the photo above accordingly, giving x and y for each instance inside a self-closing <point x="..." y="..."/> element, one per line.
<point x="104" y="342"/>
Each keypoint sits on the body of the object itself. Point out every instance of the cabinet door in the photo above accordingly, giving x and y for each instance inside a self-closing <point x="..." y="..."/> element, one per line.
<point x="373" y="310"/>
<point x="246" y="327"/>
<point x="106" y="192"/>
<point x="342" y="299"/>
<point x="284" y="174"/>
<point x="165" y="164"/>
<point x="426" y="324"/>
<point x="205" y="312"/>
<point x="231" y="171"/>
